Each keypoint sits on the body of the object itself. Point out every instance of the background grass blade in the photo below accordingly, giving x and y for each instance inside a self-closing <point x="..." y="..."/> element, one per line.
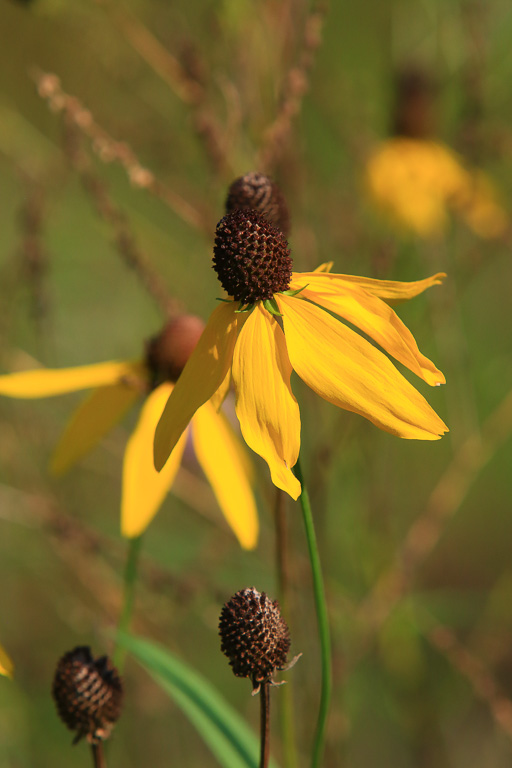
<point x="222" y="729"/>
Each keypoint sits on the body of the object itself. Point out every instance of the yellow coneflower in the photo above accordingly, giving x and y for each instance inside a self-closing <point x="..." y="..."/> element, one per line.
<point x="116" y="387"/>
<point x="275" y="322"/>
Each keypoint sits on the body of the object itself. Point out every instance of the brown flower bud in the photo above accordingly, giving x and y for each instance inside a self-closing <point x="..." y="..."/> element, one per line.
<point x="88" y="693"/>
<point x="168" y="351"/>
<point x="259" y="192"/>
<point x="254" y="636"/>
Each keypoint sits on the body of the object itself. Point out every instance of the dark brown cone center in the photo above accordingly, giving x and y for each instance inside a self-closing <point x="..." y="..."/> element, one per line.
<point x="251" y="257"/>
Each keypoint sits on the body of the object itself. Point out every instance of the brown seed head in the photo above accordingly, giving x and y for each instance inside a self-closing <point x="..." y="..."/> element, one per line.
<point x="88" y="693"/>
<point x="254" y="636"/>
<point x="254" y="190"/>
<point x="251" y="257"/>
<point x="168" y="351"/>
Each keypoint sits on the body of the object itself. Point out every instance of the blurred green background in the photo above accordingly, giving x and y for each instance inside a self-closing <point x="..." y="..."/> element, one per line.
<point x="416" y="538"/>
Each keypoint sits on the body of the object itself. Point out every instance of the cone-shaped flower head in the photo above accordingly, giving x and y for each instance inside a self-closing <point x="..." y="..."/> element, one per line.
<point x="276" y="321"/>
<point x="254" y="636"/>
<point x="254" y="190"/>
<point x="117" y="387"/>
<point x="88" y="693"/>
<point x="251" y="257"/>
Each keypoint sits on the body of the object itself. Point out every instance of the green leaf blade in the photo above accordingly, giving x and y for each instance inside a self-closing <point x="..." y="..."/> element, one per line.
<point x="227" y="735"/>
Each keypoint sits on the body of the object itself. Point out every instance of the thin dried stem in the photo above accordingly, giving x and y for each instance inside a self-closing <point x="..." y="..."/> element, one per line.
<point x="123" y="235"/>
<point x="149" y="48"/>
<point x="281" y="544"/>
<point x="481" y="680"/>
<point x="75" y="544"/>
<point x="109" y="150"/>
<point x="445" y="500"/>
<point x="34" y="258"/>
<point x="295" y="86"/>
<point x="283" y="579"/>
<point x="98" y="756"/>
<point x="264" y="724"/>
<point x="185" y="82"/>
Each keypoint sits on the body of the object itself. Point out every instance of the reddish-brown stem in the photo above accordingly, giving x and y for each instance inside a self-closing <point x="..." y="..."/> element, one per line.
<point x="281" y="546"/>
<point x="265" y="724"/>
<point x="98" y="756"/>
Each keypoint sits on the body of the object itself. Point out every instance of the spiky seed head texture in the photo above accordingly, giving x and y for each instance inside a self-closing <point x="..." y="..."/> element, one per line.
<point x="260" y="192"/>
<point x="251" y="257"/>
<point x="88" y="693"/>
<point x="254" y="635"/>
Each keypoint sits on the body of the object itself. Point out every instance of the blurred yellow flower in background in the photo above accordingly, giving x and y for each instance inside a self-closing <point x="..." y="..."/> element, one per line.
<point x="116" y="387"/>
<point x="6" y="665"/>
<point x="278" y="321"/>
<point x="418" y="183"/>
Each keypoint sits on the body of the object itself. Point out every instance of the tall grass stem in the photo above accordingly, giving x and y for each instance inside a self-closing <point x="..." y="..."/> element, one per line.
<point x="323" y="623"/>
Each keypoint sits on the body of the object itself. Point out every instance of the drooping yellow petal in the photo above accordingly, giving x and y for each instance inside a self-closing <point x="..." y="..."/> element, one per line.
<point x="266" y="408"/>
<point x="219" y="454"/>
<point x="102" y="409"/>
<point x="46" y="382"/>
<point x="204" y="373"/>
<point x="6" y="665"/>
<point x="220" y="395"/>
<point x="390" y="291"/>
<point x="144" y="488"/>
<point x="376" y="319"/>
<point x="345" y="369"/>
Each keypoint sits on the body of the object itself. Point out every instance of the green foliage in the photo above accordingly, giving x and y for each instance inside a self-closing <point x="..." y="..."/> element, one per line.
<point x="226" y="733"/>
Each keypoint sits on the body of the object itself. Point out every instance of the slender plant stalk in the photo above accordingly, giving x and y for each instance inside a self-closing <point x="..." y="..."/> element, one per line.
<point x="286" y="708"/>
<point x="98" y="756"/>
<point x="281" y="548"/>
<point x="323" y="622"/>
<point x="265" y="724"/>
<point x="129" y="584"/>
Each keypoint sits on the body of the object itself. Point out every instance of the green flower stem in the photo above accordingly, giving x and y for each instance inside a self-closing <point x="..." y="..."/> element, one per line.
<point x="323" y="622"/>
<point x="129" y="584"/>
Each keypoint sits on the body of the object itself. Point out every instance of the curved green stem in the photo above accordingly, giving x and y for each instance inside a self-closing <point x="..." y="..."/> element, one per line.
<point x="129" y="584"/>
<point x="323" y="622"/>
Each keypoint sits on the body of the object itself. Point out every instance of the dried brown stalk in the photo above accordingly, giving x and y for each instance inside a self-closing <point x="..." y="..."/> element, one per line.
<point x="481" y="680"/>
<point x="444" y="501"/>
<point x="185" y="81"/>
<point x="123" y="235"/>
<point x="33" y="255"/>
<point x="94" y="559"/>
<point x="295" y="86"/>
<point x="109" y="150"/>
